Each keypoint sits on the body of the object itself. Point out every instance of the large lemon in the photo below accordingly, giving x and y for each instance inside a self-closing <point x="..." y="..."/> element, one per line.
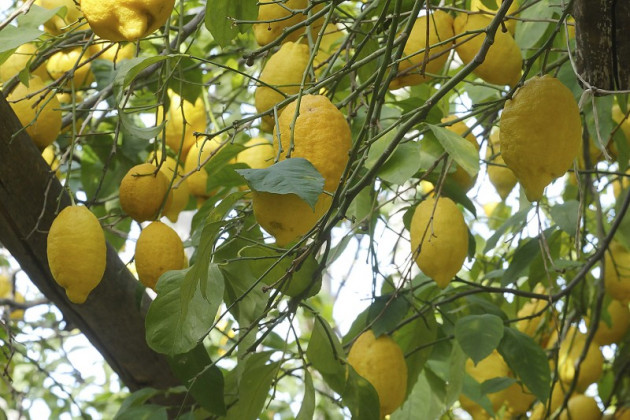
<point x="275" y="17"/>
<point x="258" y="153"/>
<point x="540" y="133"/>
<point x="460" y="176"/>
<point x="510" y="24"/>
<point x="281" y="76"/>
<point x="76" y="252"/>
<point x="183" y="120"/>
<point x="422" y="63"/>
<point x="538" y="320"/>
<point x="179" y="193"/>
<point x="382" y="363"/>
<point x="329" y="44"/>
<point x="72" y="60"/>
<point x="439" y="239"/>
<point x="493" y="366"/>
<point x="127" y="20"/>
<point x="581" y="407"/>
<point x="19" y="60"/>
<point x="198" y="158"/>
<point x="619" y="323"/>
<point x="617" y="272"/>
<point x="569" y="353"/>
<point x="142" y="191"/>
<point x="501" y="177"/>
<point x="57" y="25"/>
<point x="158" y="250"/>
<point x="503" y="61"/>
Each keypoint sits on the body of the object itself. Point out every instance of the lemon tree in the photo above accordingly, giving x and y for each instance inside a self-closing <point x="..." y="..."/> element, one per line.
<point x="314" y="209"/>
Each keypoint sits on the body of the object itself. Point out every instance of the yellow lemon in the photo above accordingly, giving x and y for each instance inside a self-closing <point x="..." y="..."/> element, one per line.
<point x="183" y="119"/>
<point x="322" y="136"/>
<point x="503" y="61"/>
<point x="581" y="407"/>
<point x="617" y="272"/>
<point x="39" y="113"/>
<point x="5" y="286"/>
<point x="501" y="177"/>
<point x="76" y="252"/>
<point x="621" y="183"/>
<point x="518" y="399"/>
<point x="421" y="63"/>
<point x="540" y="412"/>
<point x="158" y="250"/>
<point x="57" y="25"/>
<point x="493" y="366"/>
<point x="18" y="314"/>
<point x="72" y="60"/>
<point x="568" y="356"/>
<point x="439" y="239"/>
<point x="274" y="18"/>
<point x="538" y="320"/>
<point x="258" y="153"/>
<point x="127" y="20"/>
<point x="460" y="176"/>
<point x="620" y="118"/>
<point x="179" y="193"/>
<point x="142" y="191"/>
<point x="281" y="76"/>
<point x="540" y="133"/>
<point x="117" y="51"/>
<point x="330" y="43"/>
<point x="198" y="158"/>
<point x="619" y="324"/>
<point x="382" y="363"/>
<point x="510" y="24"/>
<point x="622" y="413"/>
<point x="19" y="60"/>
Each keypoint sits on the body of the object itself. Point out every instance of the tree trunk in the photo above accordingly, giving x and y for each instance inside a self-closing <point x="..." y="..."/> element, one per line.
<point x="112" y="317"/>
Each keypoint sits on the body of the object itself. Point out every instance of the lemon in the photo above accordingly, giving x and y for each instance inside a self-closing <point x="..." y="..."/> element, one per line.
<point x="258" y="153"/>
<point x="411" y="71"/>
<point x="127" y="20"/>
<point x="568" y="355"/>
<point x="510" y="24"/>
<point x="460" y="176"/>
<point x="493" y="366"/>
<point x="274" y="17"/>
<point x="330" y="43"/>
<point x="19" y="60"/>
<point x="439" y="239"/>
<point x="117" y="51"/>
<point x="538" y="320"/>
<point x="179" y="193"/>
<point x="283" y="71"/>
<point x="503" y="61"/>
<point x="57" y="25"/>
<point x="622" y="413"/>
<point x="539" y="411"/>
<point x="40" y="113"/>
<point x="518" y="399"/>
<point x="182" y="121"/>
<point x="382" y="363"/>
<point x="322" y="136"/>
<point x="621" y="183"/>
<point x="501" y="177"/>
<point x="48" y="154"/>
<point x="76" y="252"/>
<point x="620" y="118"/>
<point x="619" y="324"/>
<point x="5" y="286"/>
<point x="158" y="250"/>
<point x="142" y="191"/>
<point x="617" y="272"/>
<point x="201" y="151"/>
<point x="581" y="407"/>
<point x="540" y="132"/>
<point x="17" y="314"/>
<point x="72" y="60"/>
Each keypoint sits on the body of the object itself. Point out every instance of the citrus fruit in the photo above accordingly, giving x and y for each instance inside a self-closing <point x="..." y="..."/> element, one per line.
<point x="581" y="407"/>
<point x="510" y="24"/>
<point x="621" y="183"/>
<point x="179" y="193"/>
<point x="284" y="71"/>
<point x="183" y="119"/>
<point x="620" y="118"/>
<point x="57" y="25"/>
<point x="382" y="363"/>
<point x="198" y="158"/>
<point x="439" y="239"/>
<point x="460" y="176"/>
<point x="493" y="366"/>
<point x="619" y="323"/>
<point x="568" y="356"/>
<point x="274" y="18"/>
<point x="540" y="411"/>
<point x="617" y="272"/>
<point x="501" y="177"/>
<point x="117" y="51"/>
<point x="258" y="153"/>
<point x="142" y="191"/>
<point x="76" y="252"/>
<point x="127" y="20"/>
<point x="17" y="314"/>
<point x="538" y="320"/>
<point x="503" y="61"/>
<point x="322" y="136"/>
<point x="330" y="43"/>
<point x="39" y="113"/>
<point x="5" y="286"/>
<point x="540" y="133"/>
<point x="422" y="63"/>
<point x="518" y="399"/>
<point x="158" y="250"/>
<point x="72" y="60"/>
<point x="19" y="60"/>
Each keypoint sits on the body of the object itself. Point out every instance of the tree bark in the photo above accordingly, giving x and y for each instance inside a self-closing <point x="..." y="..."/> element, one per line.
<point x="602" y="43"/>
<point x="112" y="317"/>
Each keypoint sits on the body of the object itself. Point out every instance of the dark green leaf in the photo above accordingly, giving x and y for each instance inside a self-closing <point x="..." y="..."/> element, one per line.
<point x="368" y="46"/>
<point x="458" y="148"/>
<point x="221" y="14"/>
<point x="401" y="165"/>
<point x="523" y="256"/>
<point x="472" y="389"/>
<point x="496" y="384"/>
<point x="127" y="70"/>
<point x="326" y="354"/>
<point x="308" y="402"/>
<point x="144" y="133"/>
<point x="135" y="401"/>
<point x="386" y="312"/>
<point x="516" y="221"/>
<point x="479" y="335"/>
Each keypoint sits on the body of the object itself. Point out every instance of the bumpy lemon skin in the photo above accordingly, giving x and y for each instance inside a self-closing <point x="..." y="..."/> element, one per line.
<point x="460" y="176"/>
<point x="382" y="363"/>
<point x="19" y="60"/>
<point x="501" y="177"/>
<point x="77" y="252"/>
<point x="41" y="117"/>
<point x="142" y="191"/>
<point x="159" y="249"/>
<point x="442" y="231"/>
<point x="540" y="133"/>
<point x="617" y="272"/>
<point x="72" y="60"/>
<point x="274" y="18"/>
<point x="410" y="69"/>
<point x="503" y="61"/>
<point x="127" y="20"/>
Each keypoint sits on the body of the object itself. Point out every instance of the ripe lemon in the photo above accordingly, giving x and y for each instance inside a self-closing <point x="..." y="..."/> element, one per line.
<point x="619" y="324"/>
<point x="17" y="314"/>
<point x="460" y="176"/>
<point x="518" y="399"/>
<point x="258" y="153"/>
<point x="568" y="355"/>
<point x="117" y="52"/>
<point x="540" y="133"/>
<point x="200" y="151"/>
<point x="501" y="177"/>
<point x="182" y="121"/>
<point x="503" y="61"/>
<point x="158" y="250"/>
<point x="19" y="60"/>
<point x="57" y="25"/>
<point x="330" y="43"/>
<point x="275" y="17"/>
<point x="283" y="71"/>
<point x="179" y="193"/>
<point x="622" y="413"/>
<point x="620" y="118"/>
<point x="558" y="392"/>
<point x="142" y="191"/>
<point x="491" y="367"/>
<point x="382" y="363"/>
<point x="411" y="71"/>
<point x="76" y="252"/>
<point x="439" y="239"/>
<point x="510" y="24"/>
<point x="5" y="286"/>
<point x="617" y="272"/>
<point x="322" y="136"/>
<point x="127" y="20"/>
<point x="75" y="60"/>
<point x="538" y="326"/>
<point x="581" y="407"/>
<point x="621" y="183"/>
<point x="40" y="113"/>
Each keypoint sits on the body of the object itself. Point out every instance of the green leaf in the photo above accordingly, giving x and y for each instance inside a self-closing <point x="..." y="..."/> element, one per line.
<point x="479" y="335"/>
<point x="533" y="26"/>
<point x="386" y="312"/>
<point x="401" y="165"/>
<point x="496" y="384"/>
<point x="458" y="148"/>
<point x="527" y="250"/>
<point x="598" y="118"/>
<point x="12" y="37"/>
<point x="527" y="360"/>
<point x="134" y="405"/>
<point x="490" y="4"/>
<point x="308" y="402"/>
<point x="144" y="133"/>
<point x="472" y="389"/>
<point x="291" y="176"/>
<point x="516" y="221"/>
<point x="326" y="354"/>
<point x="127" y="70"/>
<point x="360" y="397"/>
<point x="207" y="387"/>
<point x="369" y="46"/>
<point x="221" y="14"/>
